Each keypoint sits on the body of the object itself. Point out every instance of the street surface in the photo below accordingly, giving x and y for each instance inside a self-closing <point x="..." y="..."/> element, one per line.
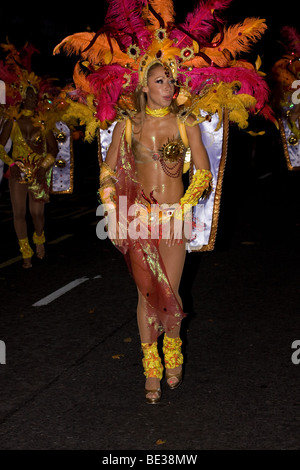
<point x="72" y="377"/>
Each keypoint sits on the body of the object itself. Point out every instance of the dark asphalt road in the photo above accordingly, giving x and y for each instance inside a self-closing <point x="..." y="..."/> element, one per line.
<point x="73" y="377"/>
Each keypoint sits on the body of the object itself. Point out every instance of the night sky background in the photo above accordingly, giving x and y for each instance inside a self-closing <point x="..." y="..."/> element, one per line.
<point x="45" y="24"/>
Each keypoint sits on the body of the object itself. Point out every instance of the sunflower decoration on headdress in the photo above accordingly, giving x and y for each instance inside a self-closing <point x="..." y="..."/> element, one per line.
<point x="202" y="54"/>
<point x="17" y="74"/>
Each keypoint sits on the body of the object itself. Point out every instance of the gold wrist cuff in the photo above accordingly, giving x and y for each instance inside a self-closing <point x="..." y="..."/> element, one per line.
<point x="106" y="173"/>
<point x="48" y="161"/>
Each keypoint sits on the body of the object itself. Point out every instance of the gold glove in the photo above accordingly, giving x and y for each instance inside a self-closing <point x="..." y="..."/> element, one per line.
<point x="47" y="161"/>
<point x="107" y="188"/>
<point x="199" y="188"/>
<point x="4" y="157"/>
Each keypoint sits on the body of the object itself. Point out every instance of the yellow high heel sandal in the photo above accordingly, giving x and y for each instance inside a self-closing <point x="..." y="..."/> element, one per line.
<point x="26" y="251"/>
<point x="173" y="359"/>
<point x="39" y="241"/>
<point x="152" y="368"/>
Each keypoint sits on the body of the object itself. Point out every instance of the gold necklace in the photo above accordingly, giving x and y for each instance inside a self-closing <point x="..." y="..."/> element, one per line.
<point x="27" y="112"/>
<point x="157" y="112"/>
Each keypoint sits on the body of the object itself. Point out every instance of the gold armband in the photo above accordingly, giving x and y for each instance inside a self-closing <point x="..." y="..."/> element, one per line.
<point x="4" y="157"/>
<point x="48" y="161"/>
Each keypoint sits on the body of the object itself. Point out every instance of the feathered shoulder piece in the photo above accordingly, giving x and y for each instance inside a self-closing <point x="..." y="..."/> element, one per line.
<point x="202" y="53"/>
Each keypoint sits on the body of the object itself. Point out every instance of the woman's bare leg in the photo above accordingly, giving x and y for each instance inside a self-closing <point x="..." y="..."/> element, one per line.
<point x="37" y="211"/>
<point x="18" y="197"/>
<point x="173" y="258"/>
<point x="152" y="383"/>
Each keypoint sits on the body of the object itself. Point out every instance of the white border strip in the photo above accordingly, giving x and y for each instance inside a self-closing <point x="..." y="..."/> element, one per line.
<point x="59" y="292"/>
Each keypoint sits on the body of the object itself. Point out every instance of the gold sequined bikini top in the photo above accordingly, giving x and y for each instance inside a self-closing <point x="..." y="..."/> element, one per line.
<point x="21" y="150"/>
<point x="170" y="155"/>
<point x="172" y="151"/>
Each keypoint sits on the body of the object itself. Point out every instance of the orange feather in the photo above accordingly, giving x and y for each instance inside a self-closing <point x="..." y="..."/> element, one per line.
<point x="100" y="50"/>
<point x="237" y="39"/>
<point x="164" y="8"/>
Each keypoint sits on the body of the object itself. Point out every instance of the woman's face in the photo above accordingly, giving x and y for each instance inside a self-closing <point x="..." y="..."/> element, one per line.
<point x="160" y="88"/>
<point x="31" y="99"/>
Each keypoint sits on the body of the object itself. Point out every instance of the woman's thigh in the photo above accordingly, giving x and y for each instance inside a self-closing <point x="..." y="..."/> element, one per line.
<point x="18" y="196"/>
<point x="36" y="207"/>
<point x="173" y="258"/>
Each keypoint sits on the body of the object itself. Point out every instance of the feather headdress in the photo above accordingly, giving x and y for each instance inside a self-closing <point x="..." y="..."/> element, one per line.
<point x="200" y="52"/>
<point x="16" y="72"/>
<point x="287" y="69"/>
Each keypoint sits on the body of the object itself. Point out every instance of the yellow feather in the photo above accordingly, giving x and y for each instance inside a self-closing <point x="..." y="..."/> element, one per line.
<point x="222" y="97"/>
<point x="108" y="57"/>
<point x="84" y="114"/>
<point x="195" y="47"/>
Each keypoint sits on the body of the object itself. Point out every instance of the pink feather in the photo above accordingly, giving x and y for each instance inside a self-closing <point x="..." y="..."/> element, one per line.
<point x="126" y="16"/>
<point x="7" y="75"/>
<point x="107" y="84"/>
<point x="291" y="39"/>
<point x="267" y="113"/>
<point x="252" y="83"/>
<point x="200" y="22"/>
<point x="26" y="54"/>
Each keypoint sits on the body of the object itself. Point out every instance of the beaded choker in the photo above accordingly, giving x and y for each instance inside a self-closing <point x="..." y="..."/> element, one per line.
<point x="157" y="112"/>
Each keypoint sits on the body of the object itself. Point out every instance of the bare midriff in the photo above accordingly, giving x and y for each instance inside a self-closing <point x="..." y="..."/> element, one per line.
<point x="162" y="179"/>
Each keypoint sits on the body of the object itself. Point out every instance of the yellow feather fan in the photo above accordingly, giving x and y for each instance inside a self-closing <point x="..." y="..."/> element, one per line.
<point x="223" y="96"/>
<point x="85" y="113"/>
